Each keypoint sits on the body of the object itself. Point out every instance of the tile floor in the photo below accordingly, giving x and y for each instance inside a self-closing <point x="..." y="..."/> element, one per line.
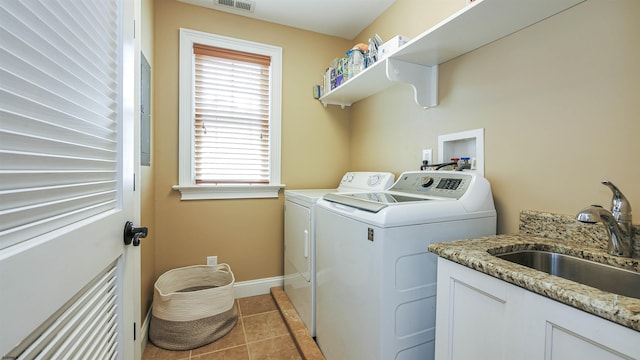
<point x="261" y="333"/>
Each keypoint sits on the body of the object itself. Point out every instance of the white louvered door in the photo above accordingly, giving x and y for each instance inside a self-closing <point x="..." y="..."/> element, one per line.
<point x="67" y="132"/>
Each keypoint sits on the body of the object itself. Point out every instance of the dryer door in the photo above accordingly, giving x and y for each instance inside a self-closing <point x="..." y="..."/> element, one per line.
<point x="297" y="242"/>
<point x="299" y="277"/>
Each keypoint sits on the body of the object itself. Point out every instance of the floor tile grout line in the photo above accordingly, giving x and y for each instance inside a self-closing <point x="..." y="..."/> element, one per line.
<point x="245" y="344"/>
<point x="223" y="349"/>
<point x="270" y="338"/>
<point x="261" y="313"/>
<point x="244" y="331"/>
<point x="239" y="309"/>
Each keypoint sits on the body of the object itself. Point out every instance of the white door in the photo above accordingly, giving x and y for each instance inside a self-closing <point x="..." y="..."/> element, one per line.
<point x="297" y="240"/>
<point x="297" y="261"/>
<point x="67" y="86"/>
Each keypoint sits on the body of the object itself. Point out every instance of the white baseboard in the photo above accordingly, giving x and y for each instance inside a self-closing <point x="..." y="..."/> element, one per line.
<point x="256" y="287"/>
<point x="241" y="289"/>
<point x="144" y="331"/>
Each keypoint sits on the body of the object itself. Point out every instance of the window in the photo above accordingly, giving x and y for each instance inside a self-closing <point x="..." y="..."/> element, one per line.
<point x="230" y="96"/>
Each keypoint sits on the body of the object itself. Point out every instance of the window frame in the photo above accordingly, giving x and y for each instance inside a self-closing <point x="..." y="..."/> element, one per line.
<point x="186" y="163"/>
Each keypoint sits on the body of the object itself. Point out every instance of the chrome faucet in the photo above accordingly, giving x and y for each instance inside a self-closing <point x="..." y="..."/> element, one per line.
<point x="617" y="222"/>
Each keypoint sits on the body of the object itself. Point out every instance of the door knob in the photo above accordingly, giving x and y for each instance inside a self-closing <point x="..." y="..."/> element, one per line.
<point x="133" y="234"/>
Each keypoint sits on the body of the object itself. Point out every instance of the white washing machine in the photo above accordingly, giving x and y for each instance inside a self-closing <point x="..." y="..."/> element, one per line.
<point x="299" y="238"/>
<point x="376" y="280"/>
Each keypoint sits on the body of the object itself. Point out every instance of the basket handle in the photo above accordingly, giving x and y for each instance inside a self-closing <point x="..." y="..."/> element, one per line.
<point x="224" y="267"/>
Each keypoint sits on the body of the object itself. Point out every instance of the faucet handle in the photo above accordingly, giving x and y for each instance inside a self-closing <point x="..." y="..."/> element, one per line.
<point x="620" y="206"/>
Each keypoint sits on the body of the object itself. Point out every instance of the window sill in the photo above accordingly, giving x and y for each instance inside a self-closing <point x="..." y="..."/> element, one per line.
<point x="212" y="192"/>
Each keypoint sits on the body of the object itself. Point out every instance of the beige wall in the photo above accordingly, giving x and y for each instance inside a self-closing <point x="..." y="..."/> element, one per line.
<point x="147" y="179"/>
<point x="247" y="234"/>
<point x="558" y="102"/>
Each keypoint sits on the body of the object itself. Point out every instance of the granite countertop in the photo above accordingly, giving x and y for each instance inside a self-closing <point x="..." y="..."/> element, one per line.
<point x="557" y="233"/>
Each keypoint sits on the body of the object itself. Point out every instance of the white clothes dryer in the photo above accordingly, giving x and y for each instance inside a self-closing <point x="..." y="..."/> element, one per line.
<point x="299" y="238"/>
<point x="376" y="280"/>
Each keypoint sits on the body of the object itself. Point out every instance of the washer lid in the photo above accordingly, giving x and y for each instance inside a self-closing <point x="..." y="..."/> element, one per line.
<point x="372" y="202"/>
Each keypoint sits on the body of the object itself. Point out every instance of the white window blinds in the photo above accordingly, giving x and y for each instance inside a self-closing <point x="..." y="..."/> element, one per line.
<point x="59" y="86"/>
<point x="231" y="98"/>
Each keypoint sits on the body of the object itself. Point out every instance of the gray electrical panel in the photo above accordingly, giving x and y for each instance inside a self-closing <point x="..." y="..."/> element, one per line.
<point x="145" y="112"/>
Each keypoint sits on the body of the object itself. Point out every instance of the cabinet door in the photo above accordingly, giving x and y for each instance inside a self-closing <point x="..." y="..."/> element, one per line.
<point x="562" y="344"/>
<point x="569" y="333"/>
<point x="472" y="315"/>
<point x="481" y="317"/>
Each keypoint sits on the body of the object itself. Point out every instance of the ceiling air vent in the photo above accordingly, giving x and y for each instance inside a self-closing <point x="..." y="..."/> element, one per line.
<point x="245" y="5"/>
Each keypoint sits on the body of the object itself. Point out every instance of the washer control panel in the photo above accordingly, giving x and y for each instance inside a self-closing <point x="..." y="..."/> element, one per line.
<point x="442" y="184"/>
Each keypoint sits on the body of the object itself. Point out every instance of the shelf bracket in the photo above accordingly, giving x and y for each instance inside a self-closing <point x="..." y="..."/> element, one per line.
<point x="341" y="104"/>
<point x="423" y="79"/>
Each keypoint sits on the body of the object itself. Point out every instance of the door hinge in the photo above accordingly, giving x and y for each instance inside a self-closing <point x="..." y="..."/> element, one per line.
<point x="134" y="331"/>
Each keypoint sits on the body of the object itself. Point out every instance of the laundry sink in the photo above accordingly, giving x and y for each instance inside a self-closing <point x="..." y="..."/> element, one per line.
<point x="604" y="277"/>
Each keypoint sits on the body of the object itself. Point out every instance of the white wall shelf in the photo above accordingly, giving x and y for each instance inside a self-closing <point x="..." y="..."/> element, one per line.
<point x="416" y="63"/>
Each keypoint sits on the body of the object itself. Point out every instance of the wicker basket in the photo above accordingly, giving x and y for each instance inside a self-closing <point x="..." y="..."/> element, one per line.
<point x="192" y="306"/>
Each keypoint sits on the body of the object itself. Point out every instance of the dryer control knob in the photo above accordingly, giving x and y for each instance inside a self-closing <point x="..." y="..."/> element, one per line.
<point x="427" y="181"/>
<point x="373" y="180"/>
<point x="349" y="177"/>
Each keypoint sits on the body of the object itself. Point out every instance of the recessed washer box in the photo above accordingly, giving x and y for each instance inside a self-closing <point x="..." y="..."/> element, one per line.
<point x="463" y="144"/>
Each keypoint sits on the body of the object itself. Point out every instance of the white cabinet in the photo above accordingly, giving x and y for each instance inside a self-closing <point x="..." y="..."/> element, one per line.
<point x="416" y="63"/>
<point x="471" y="314"/>
<point x="477" y="319"/>
<point x="481" y="317"/>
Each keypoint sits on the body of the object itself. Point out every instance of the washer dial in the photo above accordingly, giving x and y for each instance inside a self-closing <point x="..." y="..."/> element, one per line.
<point x="427" y="181"/>
<point x="373" y="180"/>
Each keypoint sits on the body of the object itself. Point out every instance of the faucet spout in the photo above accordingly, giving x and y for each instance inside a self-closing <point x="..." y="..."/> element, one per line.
<point x="620" y="206"/>
<point x="619" y="237"/>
